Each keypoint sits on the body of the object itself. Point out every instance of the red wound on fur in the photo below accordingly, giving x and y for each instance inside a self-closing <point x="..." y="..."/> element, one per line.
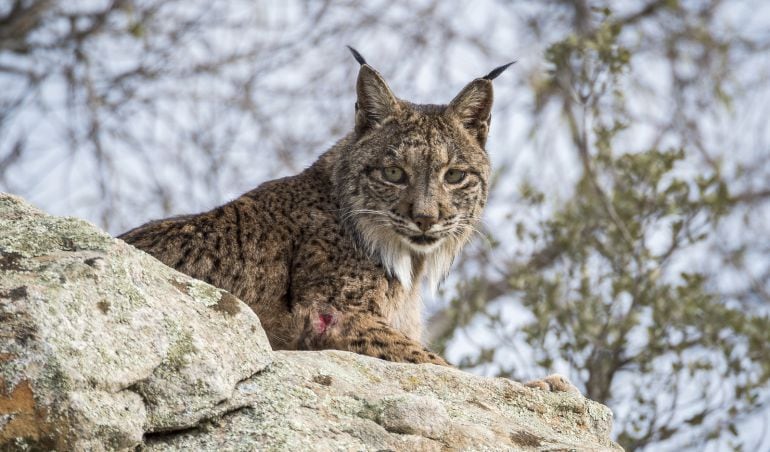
<point x="325" y="320"/>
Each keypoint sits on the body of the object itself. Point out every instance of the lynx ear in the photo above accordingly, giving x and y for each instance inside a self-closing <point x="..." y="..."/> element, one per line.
<point x="473" y="106"/>
<point x="376" y="101"/>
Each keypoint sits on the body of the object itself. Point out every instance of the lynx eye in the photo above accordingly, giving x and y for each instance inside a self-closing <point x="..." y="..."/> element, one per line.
<point x="454" y="176"/>
<point x="394" y="175"/>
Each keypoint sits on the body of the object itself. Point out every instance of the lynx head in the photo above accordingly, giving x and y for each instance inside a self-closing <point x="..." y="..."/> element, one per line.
<point x="413" y="179"/>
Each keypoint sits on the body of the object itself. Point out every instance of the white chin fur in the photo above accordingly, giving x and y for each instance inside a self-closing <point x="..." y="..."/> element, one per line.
<point x="439" y="260"/>
<point x="395" y="253"/>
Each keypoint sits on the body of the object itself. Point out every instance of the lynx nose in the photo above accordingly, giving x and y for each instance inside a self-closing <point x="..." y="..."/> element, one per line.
<point x="424" y="222"/>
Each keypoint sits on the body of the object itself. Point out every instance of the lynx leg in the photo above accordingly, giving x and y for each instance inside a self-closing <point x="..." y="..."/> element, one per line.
<point x="363" y="333"/>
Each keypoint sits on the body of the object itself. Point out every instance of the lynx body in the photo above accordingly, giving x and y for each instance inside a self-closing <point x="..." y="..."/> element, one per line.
<point x="333" y="257"/>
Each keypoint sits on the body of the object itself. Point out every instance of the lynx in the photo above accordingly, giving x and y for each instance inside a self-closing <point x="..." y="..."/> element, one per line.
<point x="333" y="257"/>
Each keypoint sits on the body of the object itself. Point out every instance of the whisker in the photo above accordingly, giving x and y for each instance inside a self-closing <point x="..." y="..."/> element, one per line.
<point x="467" y="224"/>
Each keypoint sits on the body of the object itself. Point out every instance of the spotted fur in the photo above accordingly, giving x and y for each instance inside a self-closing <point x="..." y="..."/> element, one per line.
<point x="333" y="257"/>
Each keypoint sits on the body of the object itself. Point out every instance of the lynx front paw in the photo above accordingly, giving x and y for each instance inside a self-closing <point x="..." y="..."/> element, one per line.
<point x="554" y="383"/>
<point x="425" y="356"/>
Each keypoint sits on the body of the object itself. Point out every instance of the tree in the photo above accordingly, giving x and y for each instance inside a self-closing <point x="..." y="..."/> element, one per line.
<point x="609" y="284"/>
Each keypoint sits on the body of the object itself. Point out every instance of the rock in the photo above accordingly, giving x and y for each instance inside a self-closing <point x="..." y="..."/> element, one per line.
<point x="335" y="400"/>
<point x="104" y="348"/>
<point x="413" y="415"/>
<point x="101" y="343"/>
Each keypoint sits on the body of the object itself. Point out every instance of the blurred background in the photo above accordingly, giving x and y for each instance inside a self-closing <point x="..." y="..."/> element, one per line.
<point x="627" y="240"/>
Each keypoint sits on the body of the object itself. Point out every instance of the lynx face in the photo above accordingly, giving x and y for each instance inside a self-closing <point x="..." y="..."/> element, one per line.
<point x="422" y="182"/>
<point x="413" y="181"/>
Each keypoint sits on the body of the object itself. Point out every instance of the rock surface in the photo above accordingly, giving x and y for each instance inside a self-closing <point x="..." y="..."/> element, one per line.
<point x="336" y="400"/>
<point x="104" y="348"/>
<point x="100" y="343"/>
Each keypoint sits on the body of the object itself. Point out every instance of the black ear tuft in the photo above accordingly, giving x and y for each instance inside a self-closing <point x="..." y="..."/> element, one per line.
<point x="358" y="56"/>
<point x="495" y="72"/>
